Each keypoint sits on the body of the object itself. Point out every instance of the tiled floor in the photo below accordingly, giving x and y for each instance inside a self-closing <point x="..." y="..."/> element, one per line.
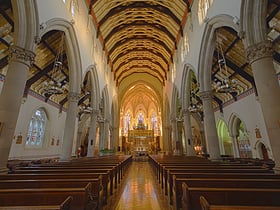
<point x="139" y="191"/>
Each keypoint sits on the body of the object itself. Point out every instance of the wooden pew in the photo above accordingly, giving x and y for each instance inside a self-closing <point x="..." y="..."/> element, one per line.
<point x="218" y="183"/>
<point x="96" y="172"/>
<point x="46" y="196"/>
<point x="206" y="206"/>
<point x="229" y="196"/>
<point x="105" y="179"/>
<point x="96" y="185"/>
<point x="65" y="205"/>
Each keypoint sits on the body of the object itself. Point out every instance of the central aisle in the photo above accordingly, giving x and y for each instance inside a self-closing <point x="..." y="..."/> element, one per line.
<point x="140" y="190"/>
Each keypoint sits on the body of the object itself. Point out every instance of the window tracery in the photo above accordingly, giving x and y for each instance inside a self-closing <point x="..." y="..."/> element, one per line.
<point x="36" y="130"/>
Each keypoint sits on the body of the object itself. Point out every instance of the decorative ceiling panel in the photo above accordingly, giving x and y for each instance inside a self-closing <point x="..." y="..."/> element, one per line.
<point x="139" y="34"/>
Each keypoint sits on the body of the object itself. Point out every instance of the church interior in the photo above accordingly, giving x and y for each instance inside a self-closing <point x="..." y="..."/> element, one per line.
<point x="140" y="104"/>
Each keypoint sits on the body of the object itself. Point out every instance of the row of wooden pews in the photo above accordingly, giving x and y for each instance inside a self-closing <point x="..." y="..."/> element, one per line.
<point x="193" y="183"/>
<point x="84" y="183"/>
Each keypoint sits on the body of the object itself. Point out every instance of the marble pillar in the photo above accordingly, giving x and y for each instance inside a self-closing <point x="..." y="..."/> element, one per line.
<point x="188" y="130"/>
<point x="20" y="61"/>
<point x="92" y="133"/>
<point x="68" y="139"/>
<point x="261" y="60"/>
<point x="211" y="136"/>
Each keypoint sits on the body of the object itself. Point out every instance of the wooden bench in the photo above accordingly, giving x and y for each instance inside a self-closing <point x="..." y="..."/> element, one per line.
<point x="105" y="179"/>
<point x="96" y="185"/>
<point x="65" y="205"/>
<point x="168" y="182"/>
<point x="218" y="183"/>
<point x="206" y="206"/>
<point x="229" y="196"/>
<point x="48" y="196"/>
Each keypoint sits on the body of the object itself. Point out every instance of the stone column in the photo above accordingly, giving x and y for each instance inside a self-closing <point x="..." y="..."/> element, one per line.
<point x="92" y="133"/>
<point x="188" y="130"/>
<point x="69" y="126"/>
<point x="102" y="136"/>
<point x="174" y="137"/>
<point x="106" y="134"/>
<point x="20" y="61"/>
<point x="212" y="142"/>
<point x="235" y="146"/>
<point x="260" y="57"/>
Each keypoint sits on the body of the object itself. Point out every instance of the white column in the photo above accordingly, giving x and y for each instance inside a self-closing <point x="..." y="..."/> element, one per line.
<point x="188" y="129"/>
<point x="235" y="146"/>
<point x="106" y="134"/>
<point x="102" y="136"/>
<point x="92" y="133"/>
<point x="20" y="61"/>
<point x="69" y="131"/>
<point x="212" y="142"/>
<point x="260" y="57"/>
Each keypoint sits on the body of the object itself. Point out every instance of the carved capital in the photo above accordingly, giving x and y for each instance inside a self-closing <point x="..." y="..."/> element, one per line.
<point x="259" y="51"/>
<point x="185" y="112"/>
<point x="21" y="55"/>
<point x="73" y="97"/>
<point x="206" y="95"/>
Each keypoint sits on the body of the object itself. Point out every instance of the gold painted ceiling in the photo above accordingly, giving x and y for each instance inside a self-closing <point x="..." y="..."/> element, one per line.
<point x="139" y="38"/>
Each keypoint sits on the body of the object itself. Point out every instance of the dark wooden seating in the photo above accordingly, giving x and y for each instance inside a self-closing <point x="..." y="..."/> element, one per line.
<point x="65" y="205"/>
<point x="96" y="192"/>
<point x="229" y="196"/>
<point x="218" y="183"/>
<point x="103" y="174"/>
<point x="206" y="206"/>
<point x="46" y="196"/>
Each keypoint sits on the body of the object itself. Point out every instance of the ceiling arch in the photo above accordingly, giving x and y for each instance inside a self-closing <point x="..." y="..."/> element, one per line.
<point x="139" y="36"/>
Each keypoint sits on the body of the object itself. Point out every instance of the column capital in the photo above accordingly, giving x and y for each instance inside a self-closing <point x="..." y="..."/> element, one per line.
<point x="185" y="112"/>
<point x="73" y="96"/>
<point x="21" y="55"/>
<point x="259" y="51"/>
<point x="206" y="95"/>
<point x="95" y="112"/>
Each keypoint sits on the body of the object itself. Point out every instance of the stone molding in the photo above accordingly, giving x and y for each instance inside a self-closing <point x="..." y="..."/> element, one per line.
<point x="21" y="55"/>
<point x="73" y="96"/>
<point x="258" y="51"/>
<point x="206" y="95"/>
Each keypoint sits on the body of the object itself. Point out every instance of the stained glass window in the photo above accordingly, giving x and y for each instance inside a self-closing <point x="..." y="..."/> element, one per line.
<point x="36" y="130"/>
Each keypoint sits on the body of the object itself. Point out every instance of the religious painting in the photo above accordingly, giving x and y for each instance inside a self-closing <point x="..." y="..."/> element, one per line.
<point x="19" y="139"/>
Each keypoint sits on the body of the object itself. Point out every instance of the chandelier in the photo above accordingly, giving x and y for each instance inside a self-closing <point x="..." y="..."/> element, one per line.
<point x="54" y="86"/>
<point x="225" y="85"/>
<point x="86" y="109"/>
<point x="195" y="105"/>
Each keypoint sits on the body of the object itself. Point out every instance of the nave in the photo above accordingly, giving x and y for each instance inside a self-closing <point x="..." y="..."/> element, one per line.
<point x="140" y="191"/>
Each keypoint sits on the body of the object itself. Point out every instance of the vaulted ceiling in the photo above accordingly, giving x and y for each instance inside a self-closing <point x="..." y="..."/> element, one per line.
<point x="139" y="36"/>
<point x="139" y="39"/>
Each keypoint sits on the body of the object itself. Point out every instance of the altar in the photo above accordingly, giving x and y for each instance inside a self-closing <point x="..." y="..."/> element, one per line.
<point x="141" y="139"/>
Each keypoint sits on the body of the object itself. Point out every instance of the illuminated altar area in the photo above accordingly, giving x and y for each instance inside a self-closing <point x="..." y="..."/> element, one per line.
<point x="141" y="139"/>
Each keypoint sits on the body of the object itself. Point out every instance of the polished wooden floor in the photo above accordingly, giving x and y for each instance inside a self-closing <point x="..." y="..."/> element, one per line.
<point x="139" y="190"/>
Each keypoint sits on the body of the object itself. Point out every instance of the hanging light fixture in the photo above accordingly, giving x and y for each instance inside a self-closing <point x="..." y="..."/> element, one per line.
<point x="225" y="85"/>
<point x="195" y="105"/>
<point x="54" y="86"/>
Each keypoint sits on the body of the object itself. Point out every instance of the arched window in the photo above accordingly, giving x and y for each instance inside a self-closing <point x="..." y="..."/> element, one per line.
<point x="36" y="130"/>
<point x="203" y="6"/>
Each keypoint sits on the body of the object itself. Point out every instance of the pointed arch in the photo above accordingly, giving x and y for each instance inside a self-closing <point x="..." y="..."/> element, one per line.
<point x="26" y="24"/>
<point x="254" y="27"/>
<point x="95" y="91"/>
<point x="207" y="48"/>
<point x="72" y="50"/>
